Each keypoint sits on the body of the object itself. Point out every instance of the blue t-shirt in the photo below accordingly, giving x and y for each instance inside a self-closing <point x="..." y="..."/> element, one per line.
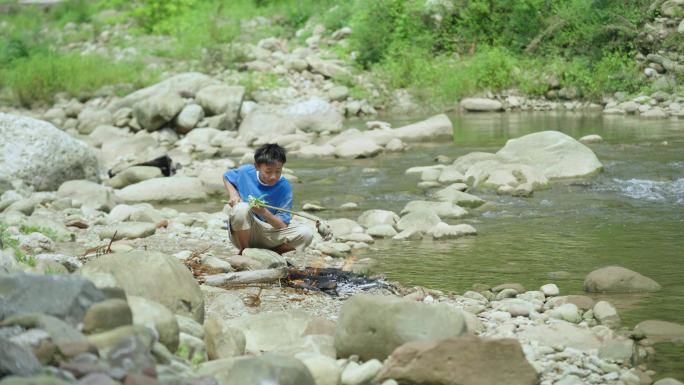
<point x="246" y="182"/>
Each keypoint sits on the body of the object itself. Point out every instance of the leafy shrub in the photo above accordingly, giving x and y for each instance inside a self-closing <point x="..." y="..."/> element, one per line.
<point x="150" y="13"/>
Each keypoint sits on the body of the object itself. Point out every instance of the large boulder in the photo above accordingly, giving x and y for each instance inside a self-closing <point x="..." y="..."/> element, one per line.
<point x="222" y="340"/>
<point x="618" y="279"/>
<point x="177" y="188"/>
<point x="422" y="220"/>
<point x="661" y="331"/>
<point x="462" y="360"/>
<point x="270" y="369"/>
<point x="66" y="297"/>
<point x="314" y="115"/>
<point x="373" y="326"/>
<point x="555" y="154"/>
<point x="261" y="123"/>
<point x="222" y="99"/>
<point x="157" y="110"/>
<point x="89" y="194"/>
<point x="41" y="155"/>
<point x="153" y="275"/>
<point x="188" y="83"/>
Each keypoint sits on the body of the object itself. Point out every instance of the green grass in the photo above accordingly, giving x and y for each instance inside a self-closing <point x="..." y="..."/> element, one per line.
<point x="10" y="242"/>
<point x="37" y="77"/>
<point x="26" y="229"/>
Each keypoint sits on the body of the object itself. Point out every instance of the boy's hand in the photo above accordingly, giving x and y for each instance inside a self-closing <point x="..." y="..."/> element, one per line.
<point x="259" y="210"/>
<point x="232" y="201"/>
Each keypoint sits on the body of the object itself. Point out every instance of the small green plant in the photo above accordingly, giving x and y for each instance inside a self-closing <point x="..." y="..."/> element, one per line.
<point x="8" y="241"/>
<point x="50" y="233"/>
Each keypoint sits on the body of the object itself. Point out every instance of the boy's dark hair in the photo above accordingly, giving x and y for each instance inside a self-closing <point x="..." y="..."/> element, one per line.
<point x="270" y="153"/>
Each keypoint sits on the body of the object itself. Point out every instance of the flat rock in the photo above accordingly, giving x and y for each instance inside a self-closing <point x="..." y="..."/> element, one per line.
<point x="373" y="326"/>
<point x="481" y="105"/>
<point x="618" y="279"/>
<point x="661" y="331"/>
<point x="127" y="230"/>
<point x="177" y="188"/>
<point x="461" y="360"/>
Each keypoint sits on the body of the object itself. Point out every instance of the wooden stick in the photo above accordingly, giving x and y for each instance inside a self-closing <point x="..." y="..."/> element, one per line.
<point x="245" y="277"/>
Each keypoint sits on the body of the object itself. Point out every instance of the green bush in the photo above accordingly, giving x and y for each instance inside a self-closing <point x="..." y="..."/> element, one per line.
<point x="37" y="77"/>
<point x="150" y="13"/>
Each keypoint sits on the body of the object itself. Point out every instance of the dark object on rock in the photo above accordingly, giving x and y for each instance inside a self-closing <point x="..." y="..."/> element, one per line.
<point x="164" y="163"/>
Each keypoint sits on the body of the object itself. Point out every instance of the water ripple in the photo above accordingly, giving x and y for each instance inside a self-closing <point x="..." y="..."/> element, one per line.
<point x="650" y="190"/>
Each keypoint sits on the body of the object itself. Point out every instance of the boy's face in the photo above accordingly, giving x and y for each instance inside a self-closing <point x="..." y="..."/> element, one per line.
<point x="269" y="173"/>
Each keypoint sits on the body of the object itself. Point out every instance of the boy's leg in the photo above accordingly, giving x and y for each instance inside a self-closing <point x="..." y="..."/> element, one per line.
<point x="293" y="237"/>
<point x="241" y="222"/>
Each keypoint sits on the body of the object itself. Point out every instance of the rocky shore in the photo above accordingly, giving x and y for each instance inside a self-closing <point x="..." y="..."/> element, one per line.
<point x="99" y="286"/>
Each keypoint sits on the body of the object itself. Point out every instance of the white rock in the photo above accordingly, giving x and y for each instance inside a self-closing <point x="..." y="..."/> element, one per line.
<point x="355" y="374"/>
<point x="550" y="290"/>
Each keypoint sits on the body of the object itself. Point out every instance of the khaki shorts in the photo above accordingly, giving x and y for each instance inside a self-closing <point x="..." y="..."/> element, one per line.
<point x="263" y="235"/>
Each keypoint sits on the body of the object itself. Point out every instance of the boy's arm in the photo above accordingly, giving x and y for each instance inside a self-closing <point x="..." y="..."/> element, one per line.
<point x="269" y="217"/>
<point x="233" y="195"/>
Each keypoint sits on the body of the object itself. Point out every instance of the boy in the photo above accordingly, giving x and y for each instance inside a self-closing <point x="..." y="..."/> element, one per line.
<point x="261" y="227"/>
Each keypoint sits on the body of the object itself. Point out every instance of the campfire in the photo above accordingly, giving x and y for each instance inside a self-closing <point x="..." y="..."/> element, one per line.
<point x="335" y="282"/>
<point x="332" y="281"/>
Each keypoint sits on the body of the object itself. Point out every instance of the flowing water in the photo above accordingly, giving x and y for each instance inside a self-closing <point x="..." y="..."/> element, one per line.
<point x="630" y="215"/>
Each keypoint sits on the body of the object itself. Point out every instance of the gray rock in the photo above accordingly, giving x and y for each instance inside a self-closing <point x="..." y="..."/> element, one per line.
<point x="127" y="230"/>
<point x="269" y="259"/>
<point x="177" y="188"/>
<point x="668" y="381"/>
<point x="41" y="155"/>
<point x="88" y="194"/>
<point x="107" y="315"/>
<point x="442" y="209"/>
<point x="153" y="314"/>
<point x="418" y="220"/>
<point x="267" y="332"/>
<point x="550" y="290"/>
<point x="259" y="123"/>
<point x="606" y="314"/>
<point x="370" y="218"/>
<point x="373" y="326"/>
<point x="64" y="296"/>
<point x="188" y="118"/>
<point x="543" y="150"/>
<point x="382" y="231"/>
<point x="323" y="369"/>
<point x="222" y="340"/>
<point x="60" y="332"/>
<point x="109" y="340"/>
<point x="88" y="119"/>
<point x="16" y="359"/>
<point x="25" y="206"/>
<point x="69" y="262"/>
<point x="314" y="115"/>
<point x="588" y="139"/>
<point x="338" y="93"/>
<point x="446" y="231"/>
<point x="133" y="175"/>
<point x="173" y="286"/>
<point x="157" y="110"/>
<point x="463" y="360"/>
<point x="453" y="194"/>
<point x="188" y="83"/>
<point x="327" y="68"/>
<point x="270" y="369"/>
<point x="481" y="105"/>
<point x="357" y="148"/>
<point x="222" y="99"/>
<point x="190" y="326"/>
<point x="561" y="334"/>
<point x="661" y="331"/>
<point x="355" y="374"/>
<point x="343" y="226"/>
<point x="617" y="349"/>
<point x="618" y="279"/>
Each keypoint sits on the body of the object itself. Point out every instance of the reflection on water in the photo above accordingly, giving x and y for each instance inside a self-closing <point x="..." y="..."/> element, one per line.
<point x="631" y="215"/>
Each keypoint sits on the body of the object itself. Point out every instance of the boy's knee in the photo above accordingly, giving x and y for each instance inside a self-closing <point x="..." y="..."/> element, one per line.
<point x="239" y="215"/>
<point x="306" y="234"/>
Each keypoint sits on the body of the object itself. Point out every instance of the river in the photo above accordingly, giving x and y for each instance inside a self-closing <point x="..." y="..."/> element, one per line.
<point x="630" y="215"/>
